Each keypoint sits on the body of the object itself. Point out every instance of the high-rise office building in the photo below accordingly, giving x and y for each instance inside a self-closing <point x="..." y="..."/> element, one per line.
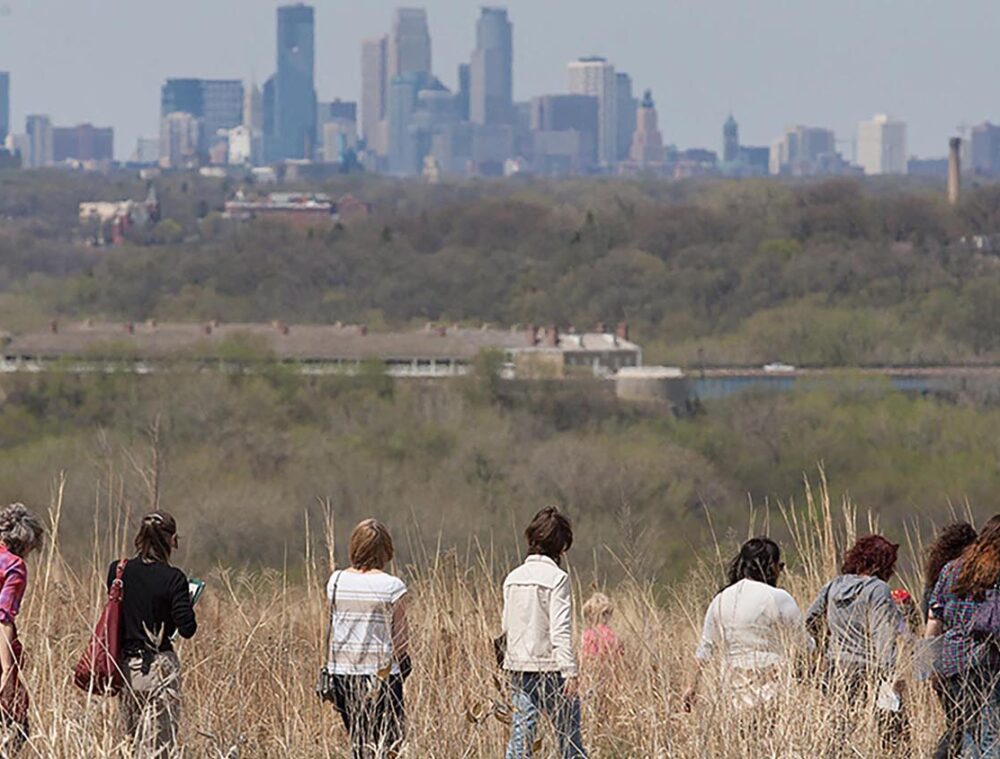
<point x="628" y="108"/>
<point x="561" y="114"/>
<point x="464" y="83"/>
<point x="595" y="76"/>
<point x="246" y="142"/>
<point x="182" y="96"/>
<point x="222" y="105"/>
<point x="730" y="140"/>
<point x="982" y="149"/>
<point x="409" y="49"/>
<point x="294" y="84"/>
<point x="269" y="120"/>
<point x="4" y="106"/>
<point x="403" y="159"/>
<point x="83" y="142"/>
<point x="40" y="152"/>
<point x="344" y="110"/>
<point x="491" y="85"/>
<point x="216" y="103"/>
<point x="882" y="146"/>
<point x="253" y="108"/>
<point x="803" y="151"/>
<point x="647" y="142"/>
<point x="180" y="140"/>
<point x="337" y="128"/>
<point x="374" y="65"/>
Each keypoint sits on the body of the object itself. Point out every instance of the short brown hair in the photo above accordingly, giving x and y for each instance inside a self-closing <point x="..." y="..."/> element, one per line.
<point x="549" y="533"/>
<point x="371" y="545"/>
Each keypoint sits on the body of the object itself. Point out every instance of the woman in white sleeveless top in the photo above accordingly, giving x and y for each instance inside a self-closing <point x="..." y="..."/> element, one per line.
<point x="369" y="642"/>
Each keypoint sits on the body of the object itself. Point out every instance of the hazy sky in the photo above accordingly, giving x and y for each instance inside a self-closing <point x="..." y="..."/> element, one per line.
<point x="773" y="62"/>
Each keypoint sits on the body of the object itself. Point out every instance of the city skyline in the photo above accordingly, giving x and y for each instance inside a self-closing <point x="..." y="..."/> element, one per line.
<point x="699" y="61"/>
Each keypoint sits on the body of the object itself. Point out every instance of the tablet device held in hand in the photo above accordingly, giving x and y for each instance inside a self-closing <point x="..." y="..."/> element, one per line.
<point x="195" y="587"/>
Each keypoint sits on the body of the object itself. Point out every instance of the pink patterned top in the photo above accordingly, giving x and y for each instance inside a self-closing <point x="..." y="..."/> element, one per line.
<point x="14" y="575"/>
<point x="600" y="642"/>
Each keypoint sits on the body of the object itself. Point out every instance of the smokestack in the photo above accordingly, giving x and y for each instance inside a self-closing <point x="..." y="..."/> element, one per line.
<point x="532" y="335"/>
<point x="622" y="332"/>
<point x="954" y="170"/>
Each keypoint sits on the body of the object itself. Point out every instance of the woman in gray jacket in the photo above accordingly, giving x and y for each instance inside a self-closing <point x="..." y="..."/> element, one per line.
<point x="859" y="622"/>
<point x="538" y="625"/>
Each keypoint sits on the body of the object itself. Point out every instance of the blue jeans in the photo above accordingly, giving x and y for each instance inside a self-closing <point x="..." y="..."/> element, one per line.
<point x="971" y="703"/>
<point x="533" y="693"/>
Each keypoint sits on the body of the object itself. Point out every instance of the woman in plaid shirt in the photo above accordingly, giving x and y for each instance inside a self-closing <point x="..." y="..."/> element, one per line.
<point x="966" y="669"/>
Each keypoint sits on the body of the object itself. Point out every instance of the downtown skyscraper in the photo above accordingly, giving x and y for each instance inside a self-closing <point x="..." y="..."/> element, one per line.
<point x="409" y="44"/>
<point x="290" y="97"/>
<point x="374" y="92"/>
<point x="596" y="77"/>
<point x="4" y="106"/>
<point x="491" y="89"/>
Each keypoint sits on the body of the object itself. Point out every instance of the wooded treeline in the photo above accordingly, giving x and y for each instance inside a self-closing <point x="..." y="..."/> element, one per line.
<point x="834" y="273"/>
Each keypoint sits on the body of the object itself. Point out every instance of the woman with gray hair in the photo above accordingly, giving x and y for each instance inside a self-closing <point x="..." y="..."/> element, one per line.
<point x="20" y="533"/>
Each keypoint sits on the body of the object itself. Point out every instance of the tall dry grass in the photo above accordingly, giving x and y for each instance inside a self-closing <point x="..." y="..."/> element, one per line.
<point x="249" y="673"/>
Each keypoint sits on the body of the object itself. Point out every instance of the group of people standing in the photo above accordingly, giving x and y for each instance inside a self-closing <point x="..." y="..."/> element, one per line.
<point x="752" y="631"/>
<point x="156" y="606"/>
<point x="368" y="650"/>
<point x="855" y="629"/>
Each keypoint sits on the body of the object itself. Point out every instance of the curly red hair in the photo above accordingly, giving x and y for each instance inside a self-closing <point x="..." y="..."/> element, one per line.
<point x="871" y="555"/>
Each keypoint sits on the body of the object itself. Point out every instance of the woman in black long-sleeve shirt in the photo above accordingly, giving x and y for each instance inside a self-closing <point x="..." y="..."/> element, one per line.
<point x="155" y="605"/>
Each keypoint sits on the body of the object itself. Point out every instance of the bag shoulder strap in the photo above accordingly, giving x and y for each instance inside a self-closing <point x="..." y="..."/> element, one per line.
<point x="327" y="652"/>
<point x="117" y="589"/>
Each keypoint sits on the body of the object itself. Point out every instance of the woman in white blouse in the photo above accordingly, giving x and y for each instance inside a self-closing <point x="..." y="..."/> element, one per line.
<point x="751" y="627"/>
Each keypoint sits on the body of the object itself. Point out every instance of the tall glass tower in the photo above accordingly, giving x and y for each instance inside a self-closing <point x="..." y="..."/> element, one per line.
<point x="491" y="92"/>
<point x="294" y="88"/>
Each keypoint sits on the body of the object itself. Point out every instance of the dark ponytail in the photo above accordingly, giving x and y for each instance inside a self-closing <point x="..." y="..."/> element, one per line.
<point x="759" y="559"/>
<point x="155" y="539"/>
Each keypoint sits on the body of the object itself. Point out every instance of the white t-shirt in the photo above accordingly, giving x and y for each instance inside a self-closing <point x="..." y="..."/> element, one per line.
<point x="361" y="636"/>
<point x="752" y="627"/>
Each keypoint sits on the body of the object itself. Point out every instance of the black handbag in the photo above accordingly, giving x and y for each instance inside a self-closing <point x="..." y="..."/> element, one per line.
<point x="500" y="649"/>
<point x="325" y="687"/>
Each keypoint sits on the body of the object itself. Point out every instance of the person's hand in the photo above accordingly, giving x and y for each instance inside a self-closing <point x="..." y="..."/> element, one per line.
<point x="571" y="688"/>
<point x="688" y="699"/>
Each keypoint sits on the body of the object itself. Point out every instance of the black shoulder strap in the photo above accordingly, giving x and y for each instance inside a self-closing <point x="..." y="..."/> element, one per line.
<point x="328" y="652"/>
